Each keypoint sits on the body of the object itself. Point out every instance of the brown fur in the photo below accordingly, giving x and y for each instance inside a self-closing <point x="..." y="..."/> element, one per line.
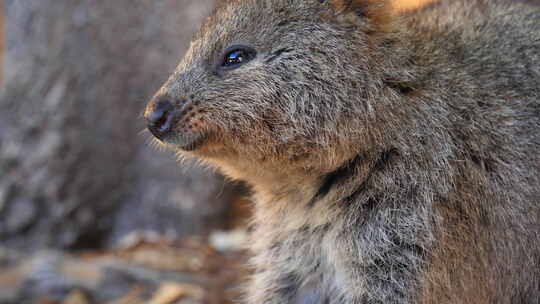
<point x="393" y="159"/>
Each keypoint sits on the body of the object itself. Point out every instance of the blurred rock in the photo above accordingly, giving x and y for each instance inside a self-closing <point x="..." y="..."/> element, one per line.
<point x="77" y="297"/>
<point x="76" y="170"/>
<point x="171" y="293"/>
<point x="229" y="240"/>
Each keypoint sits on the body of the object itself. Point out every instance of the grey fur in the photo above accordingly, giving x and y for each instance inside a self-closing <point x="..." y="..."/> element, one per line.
<point x="393" y="159"/>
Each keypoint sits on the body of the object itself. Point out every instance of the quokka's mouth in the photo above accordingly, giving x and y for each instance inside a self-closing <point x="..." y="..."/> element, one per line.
<point x="187" y="141"/>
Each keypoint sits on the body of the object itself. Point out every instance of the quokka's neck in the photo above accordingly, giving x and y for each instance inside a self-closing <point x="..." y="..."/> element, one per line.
<point x="306" y="189"/>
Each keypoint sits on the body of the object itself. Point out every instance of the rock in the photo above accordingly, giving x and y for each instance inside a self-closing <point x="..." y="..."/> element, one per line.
<point x="76" y="297"/>
<point x="76" y="171"/>
<point x="20" y="215"/>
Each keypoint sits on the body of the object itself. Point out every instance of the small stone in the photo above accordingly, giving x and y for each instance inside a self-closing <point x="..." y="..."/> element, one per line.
<point x="229" y="240"/>
<point x="136" y="238"/>
<point x="76" y="297"/>
<point x="171" y="292"/>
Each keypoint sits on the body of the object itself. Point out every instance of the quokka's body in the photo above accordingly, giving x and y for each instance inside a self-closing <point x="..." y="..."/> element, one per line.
<point x="393" y="158"/>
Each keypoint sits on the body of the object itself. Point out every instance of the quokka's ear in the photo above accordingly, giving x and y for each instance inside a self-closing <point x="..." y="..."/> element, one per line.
<point x="379" y="12"/>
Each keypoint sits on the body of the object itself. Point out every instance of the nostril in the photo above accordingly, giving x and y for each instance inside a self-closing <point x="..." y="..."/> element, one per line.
<point x="159" y="116"/>
<point x="160" y="120"/>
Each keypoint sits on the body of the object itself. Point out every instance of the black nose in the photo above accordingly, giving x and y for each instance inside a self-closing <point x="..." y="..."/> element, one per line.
<point x="160" y="120"/>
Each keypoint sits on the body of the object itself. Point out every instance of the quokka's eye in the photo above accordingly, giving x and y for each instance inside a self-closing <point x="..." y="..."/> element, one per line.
<point x="236" y="56"/>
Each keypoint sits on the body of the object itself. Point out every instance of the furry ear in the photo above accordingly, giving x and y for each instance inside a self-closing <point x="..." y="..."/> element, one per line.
<point x="379" y="12"/>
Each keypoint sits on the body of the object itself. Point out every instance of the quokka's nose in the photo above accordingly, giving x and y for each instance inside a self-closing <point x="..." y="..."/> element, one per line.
<point x="160" y="119"/>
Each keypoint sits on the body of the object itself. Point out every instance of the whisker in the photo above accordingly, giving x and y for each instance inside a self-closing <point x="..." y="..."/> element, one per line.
<point x="141" y="114"/>
<point x="143" y="132"/>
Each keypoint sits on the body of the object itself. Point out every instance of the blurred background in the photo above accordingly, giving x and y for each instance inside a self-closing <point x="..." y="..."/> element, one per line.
<point x="89" y="211"/>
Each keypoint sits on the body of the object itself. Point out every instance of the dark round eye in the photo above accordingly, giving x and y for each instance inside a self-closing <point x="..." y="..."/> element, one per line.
<point x="237" y="55"/>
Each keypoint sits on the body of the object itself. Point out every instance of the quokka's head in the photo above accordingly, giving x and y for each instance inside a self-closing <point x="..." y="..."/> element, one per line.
<point x="286" y="81"/>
